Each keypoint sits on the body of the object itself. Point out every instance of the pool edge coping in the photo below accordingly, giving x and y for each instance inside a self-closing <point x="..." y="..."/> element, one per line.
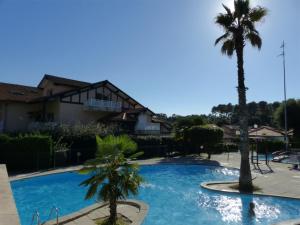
<point x="76" y="168"/>
<point x="8" y="213"/>
<point x="142" y="206"/>
<point x="206" y="185"/>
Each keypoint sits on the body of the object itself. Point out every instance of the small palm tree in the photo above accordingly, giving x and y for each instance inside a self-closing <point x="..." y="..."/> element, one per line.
<point x="112" y="177"/>
<point x="239" y="27"/>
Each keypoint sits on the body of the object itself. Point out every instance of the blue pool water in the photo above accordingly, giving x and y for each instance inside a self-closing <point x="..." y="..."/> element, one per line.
<point x="172" y="192"/>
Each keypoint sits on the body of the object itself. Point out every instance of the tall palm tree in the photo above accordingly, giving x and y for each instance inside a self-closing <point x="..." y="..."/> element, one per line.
<point x="239" y="27"/>
<point x="112" y="177"/>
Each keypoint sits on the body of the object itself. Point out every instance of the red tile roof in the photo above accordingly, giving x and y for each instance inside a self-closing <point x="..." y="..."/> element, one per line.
<point x="18" y="93"/>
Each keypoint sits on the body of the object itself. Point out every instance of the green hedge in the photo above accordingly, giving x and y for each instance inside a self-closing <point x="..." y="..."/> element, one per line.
<point x="267" y="146"/>
<point x="150" y="145"/>
<point x="85" y="144"/>
<point x="28" y="152"/>
<point x="208" y="136"/>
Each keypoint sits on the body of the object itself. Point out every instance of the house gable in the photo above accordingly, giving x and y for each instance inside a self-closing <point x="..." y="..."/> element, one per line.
<point x="265" y="131"/>
<point x="52" y="85"/>
<point x="103" y="90"/>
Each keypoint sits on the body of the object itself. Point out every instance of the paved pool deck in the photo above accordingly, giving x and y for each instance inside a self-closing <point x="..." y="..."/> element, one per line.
<point x="283" y="181"/>
<point x="8" y="210"/>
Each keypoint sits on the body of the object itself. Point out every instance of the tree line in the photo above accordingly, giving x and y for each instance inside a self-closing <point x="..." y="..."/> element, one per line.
<point x="261" y="113"/>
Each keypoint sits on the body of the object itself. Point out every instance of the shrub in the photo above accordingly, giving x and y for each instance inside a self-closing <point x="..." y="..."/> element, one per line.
<point x="26" y="152"/>
<point x="150" y="145"/>
<point x="204" y="135"/>
<point x="269" y="146"/>
<point x="80" y="138"/>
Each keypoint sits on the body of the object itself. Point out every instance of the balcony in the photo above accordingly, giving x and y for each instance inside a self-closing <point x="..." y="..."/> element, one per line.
<point x="102" y="105"/>
<point x="152" y="129"/>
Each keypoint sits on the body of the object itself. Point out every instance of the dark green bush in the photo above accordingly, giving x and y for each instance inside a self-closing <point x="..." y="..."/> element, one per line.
<point x="152" y="146"/>
<point x="85" y="145"/>
<point x="268" y="145"/>
<point x="204" y="135"/>
<point x="27" y="152"/>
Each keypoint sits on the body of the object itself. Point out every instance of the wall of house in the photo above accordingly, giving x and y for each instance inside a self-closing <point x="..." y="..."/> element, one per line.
<point x="16" y="116"/>
<point x="54" y="109"/>
<point x="75" y="113"/>
<point x="144" y="123"/>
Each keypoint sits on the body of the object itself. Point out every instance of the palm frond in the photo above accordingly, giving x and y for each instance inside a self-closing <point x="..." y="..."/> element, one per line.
<point x="224" y="20"/>
<point x="254" y="39"/>
<point x="257" y="13"/>
<point x="135" y="155"/>
<point x="115" y="178"/>
<point x="248" y="25"/>
<point x="105" y="192"/>
<point x="86" y="170"/>
<point x="227" y="10"/>
<point x="228" y="47"/>
<point x="223" y="37"/>
<point x="88" y="181"/>
<point x="241" y="8"/>
<point x="92" y="190"/>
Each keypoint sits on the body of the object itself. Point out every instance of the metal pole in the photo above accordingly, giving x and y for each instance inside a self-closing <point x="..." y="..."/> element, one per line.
<point x="284" y="102"/>
<point x="285" y="111"/>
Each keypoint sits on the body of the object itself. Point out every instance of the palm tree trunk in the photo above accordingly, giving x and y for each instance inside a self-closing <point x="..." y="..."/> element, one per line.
<point x="113" y="211"/>
<point x="245" y="179"/>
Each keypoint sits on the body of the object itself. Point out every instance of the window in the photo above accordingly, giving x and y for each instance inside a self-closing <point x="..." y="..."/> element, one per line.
<point x="101" y="96"/>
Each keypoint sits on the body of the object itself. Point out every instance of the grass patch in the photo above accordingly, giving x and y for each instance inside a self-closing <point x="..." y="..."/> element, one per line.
<point x="121" y="220"/>
<point x="237" y="187"/>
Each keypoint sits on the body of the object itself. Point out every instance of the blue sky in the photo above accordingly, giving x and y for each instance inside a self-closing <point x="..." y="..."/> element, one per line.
<point x="161" y="52"/>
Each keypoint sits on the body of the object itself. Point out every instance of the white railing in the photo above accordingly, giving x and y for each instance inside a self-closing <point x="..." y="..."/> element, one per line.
<point x="103" y="105"/>
<point x="149" y="129"/>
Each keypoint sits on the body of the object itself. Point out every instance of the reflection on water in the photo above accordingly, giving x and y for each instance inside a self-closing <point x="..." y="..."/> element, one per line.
<point x="236" y="210"/>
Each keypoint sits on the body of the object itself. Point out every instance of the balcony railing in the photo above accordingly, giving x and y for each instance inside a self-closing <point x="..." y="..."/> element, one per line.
<point x="103" y="105"/>
<point x="148" y="132"/>
<point x="149" y="129"/>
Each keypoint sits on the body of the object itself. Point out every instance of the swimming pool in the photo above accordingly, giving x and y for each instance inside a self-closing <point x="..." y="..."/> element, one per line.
<point x="172" y="192"/>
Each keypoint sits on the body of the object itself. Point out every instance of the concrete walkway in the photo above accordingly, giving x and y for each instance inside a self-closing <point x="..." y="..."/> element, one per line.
<point x="8" y="210"/>
<point x="283" y="182"/>
<point x="134" y="211"/>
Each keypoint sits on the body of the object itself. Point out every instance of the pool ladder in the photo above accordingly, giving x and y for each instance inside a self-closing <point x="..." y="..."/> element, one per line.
<point x="36" y="216"/>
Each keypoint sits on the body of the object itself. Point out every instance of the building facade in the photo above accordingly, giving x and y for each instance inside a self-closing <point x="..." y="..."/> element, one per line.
<point x="65" y="101"/>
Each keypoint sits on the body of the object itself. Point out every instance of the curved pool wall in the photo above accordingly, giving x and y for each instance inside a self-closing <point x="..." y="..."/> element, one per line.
<point x="173" y="193"/>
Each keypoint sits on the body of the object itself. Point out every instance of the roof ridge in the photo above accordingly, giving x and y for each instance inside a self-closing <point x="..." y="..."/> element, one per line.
<point x="20" y="85"/>
<point x="65" y="78"/>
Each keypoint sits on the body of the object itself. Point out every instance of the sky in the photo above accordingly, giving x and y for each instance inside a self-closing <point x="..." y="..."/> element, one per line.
<point x="160" y="52"/>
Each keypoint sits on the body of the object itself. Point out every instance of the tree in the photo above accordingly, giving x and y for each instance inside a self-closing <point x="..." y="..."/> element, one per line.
<point x="293" y="118"/>
<point x="239" y="27"/>
<point x="112" y="177"/>
<point x="206" y="135"/>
